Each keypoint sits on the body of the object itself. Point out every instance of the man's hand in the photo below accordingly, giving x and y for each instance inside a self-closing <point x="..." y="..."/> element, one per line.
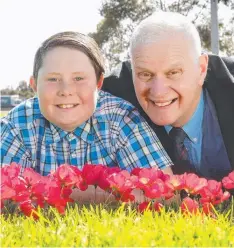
<point x="92" y="195"/>
<point x="168" y="171"/>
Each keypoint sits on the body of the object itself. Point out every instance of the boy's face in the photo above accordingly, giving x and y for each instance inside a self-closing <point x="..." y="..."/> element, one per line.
<point x="66" y="87"/>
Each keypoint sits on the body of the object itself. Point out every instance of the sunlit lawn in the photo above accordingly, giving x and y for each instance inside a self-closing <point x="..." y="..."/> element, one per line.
<point x="100" y="227"/>
<point x="3" y="113"/>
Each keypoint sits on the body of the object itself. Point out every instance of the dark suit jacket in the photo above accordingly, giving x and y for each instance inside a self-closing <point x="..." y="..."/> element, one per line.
<point x="219" y="83"/>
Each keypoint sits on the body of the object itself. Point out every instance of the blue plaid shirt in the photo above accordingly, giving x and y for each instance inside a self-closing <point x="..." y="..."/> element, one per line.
<point x="116" y="135"/>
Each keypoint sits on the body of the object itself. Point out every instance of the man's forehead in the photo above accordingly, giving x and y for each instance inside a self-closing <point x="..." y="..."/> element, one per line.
<point x="169" y="57"/>
<point x="163" y="47"/>
<point x="145" y="61"/>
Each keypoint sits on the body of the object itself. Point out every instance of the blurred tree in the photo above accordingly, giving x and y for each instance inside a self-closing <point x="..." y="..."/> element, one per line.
<point x="23" y="90"/>
<point x="8" y="91"/>
<point x="121" y="16"/>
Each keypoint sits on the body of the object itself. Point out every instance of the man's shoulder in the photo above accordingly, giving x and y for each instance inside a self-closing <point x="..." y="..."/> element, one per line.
<point x="220" y="76"/>
<point x="221" y="67"/>
<point x="229" y="62"/>
<point x="119" y="83"/>
<point x="24" y="114"/>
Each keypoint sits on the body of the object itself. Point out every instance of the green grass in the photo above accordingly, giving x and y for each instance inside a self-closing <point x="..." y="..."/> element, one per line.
<point x="88" y="226"/>
<point x="3" y="113"/>
<point x="103" y="226"/>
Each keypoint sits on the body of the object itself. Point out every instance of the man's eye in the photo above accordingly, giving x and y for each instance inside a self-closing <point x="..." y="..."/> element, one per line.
<point x="174" y="73"/>
<point x="145" y="76"/>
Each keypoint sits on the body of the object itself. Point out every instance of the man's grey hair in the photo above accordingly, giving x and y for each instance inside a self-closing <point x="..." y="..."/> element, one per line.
<point x="163" y="24"/>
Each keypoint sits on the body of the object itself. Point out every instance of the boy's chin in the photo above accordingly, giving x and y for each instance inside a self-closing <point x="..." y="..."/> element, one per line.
<point x="67" y="126"/>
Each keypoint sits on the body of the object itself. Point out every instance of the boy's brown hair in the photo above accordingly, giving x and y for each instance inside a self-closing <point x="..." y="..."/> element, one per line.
<point x="73" y="40"/>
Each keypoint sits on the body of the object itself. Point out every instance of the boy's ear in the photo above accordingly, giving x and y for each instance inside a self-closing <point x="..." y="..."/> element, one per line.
<point x="33" y="85"/>
<point x="100" y="81"/>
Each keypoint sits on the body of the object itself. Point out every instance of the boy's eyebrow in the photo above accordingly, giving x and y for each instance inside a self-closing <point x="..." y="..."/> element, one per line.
<point x="53" y="73"/>
<point x="78" y="72"/>
<point x="59" y="74"/>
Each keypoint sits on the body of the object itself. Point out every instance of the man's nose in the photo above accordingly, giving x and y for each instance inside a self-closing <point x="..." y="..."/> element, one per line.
<point x="159" y="86"/>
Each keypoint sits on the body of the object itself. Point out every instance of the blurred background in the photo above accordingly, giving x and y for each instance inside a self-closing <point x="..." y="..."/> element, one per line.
<point x="24" y="24"/>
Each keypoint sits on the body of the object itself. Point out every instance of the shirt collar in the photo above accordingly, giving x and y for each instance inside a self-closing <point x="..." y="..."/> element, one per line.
<point x="89" y="131"/>
<point x="193" y="127"/>
<point x="85" y="131"/>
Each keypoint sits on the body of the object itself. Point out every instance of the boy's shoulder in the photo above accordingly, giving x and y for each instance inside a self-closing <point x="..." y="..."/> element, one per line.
<point x="110" y="102"/>
<point x="24" y="114"/>
<point x="110" y="106"/>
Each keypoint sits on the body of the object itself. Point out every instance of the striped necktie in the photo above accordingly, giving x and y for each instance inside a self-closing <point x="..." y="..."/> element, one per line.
<point x="181" y="158"/>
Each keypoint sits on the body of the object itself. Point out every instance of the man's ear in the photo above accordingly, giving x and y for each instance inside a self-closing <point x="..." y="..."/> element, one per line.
<point x="203" y="64"/>
<point x="33" y="84"/>
<point x="100" y="81"/>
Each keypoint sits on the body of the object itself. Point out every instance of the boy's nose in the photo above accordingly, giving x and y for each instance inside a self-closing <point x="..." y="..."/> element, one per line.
<point x="66" y="89"/>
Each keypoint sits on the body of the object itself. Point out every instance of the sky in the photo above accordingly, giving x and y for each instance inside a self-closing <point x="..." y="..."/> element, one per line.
<point x="25" y="24"/>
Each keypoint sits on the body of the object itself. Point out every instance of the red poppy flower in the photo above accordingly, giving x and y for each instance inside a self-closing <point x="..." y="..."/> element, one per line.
<point x="189" y="205"/>
<point x="213" y="193"/>
<point x="228" y="182"/>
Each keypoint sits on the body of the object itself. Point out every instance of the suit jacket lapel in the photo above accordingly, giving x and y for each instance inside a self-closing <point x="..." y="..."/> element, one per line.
<point x="220" y="85"/>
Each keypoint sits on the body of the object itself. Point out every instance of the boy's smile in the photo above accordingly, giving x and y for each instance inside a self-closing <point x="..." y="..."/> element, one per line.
<point x="67" y="106"/>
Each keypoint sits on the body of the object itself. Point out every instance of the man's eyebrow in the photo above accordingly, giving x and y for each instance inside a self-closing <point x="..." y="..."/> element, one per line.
<point x="143" y="68"/>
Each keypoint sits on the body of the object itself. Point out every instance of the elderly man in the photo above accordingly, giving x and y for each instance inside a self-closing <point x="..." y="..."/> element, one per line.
<point x="191" y="111"/>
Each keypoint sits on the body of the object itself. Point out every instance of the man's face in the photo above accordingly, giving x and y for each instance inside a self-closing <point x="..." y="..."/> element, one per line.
<point x="168" y="80"/>
<point x="66" y="87"/>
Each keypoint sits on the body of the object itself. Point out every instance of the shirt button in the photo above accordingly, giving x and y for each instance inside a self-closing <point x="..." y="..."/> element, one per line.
<point x="73" y="155"/>
<point x="70" y="135"/>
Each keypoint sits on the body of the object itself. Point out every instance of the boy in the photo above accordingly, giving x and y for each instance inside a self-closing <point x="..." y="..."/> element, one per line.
<point x="71" y="120"/>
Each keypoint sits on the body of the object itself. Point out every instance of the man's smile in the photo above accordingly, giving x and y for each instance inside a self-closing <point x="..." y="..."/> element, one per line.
<point x="163" y="103"/>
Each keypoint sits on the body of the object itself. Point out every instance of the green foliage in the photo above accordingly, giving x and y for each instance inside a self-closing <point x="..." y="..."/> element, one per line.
<point x="123" y="226"/>
<point x="121" y="16"/>
<point x="8" y="91"/>
<point x="23" y="90"/>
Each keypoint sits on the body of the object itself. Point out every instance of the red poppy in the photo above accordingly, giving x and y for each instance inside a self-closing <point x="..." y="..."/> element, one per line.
<point x="189" y="205"/>
<point x="213" y="193"/>
<point x="228" y="182"/>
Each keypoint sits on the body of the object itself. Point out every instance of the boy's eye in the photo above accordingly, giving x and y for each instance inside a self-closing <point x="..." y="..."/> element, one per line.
<point x="145" y="76"/>
<point x="53" y="79"/>
<point x="78" y="78"/>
